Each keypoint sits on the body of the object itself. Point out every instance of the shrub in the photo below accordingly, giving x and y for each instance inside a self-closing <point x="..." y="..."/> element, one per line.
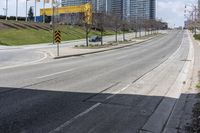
<point x="197" y="36"/>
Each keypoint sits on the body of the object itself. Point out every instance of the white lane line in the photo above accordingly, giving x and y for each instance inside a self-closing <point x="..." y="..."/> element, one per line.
<point x="53" y="74"/>
<point x="74" y="118"/>
<point x="117" y="92"/>
<point x="61" y="127"/>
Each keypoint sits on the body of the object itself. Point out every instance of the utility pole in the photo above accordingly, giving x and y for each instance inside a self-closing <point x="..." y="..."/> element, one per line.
<point x="16" y="10"/>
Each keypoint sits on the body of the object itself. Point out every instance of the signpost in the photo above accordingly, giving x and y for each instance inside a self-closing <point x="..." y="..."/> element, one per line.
<point x="57" y="39"/>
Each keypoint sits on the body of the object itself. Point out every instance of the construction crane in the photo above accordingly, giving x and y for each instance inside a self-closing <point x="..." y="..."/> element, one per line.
<point x="85" y="8"/>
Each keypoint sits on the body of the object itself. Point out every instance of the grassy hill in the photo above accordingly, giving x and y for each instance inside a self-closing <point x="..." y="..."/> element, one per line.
<point x="23" y="33"/>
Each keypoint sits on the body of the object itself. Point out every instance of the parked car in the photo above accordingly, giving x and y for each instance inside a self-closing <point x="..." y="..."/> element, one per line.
<point x="95" y="39"/>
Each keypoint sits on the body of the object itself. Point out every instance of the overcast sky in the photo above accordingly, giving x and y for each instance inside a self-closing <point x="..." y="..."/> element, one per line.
<point x="171" y="11"/>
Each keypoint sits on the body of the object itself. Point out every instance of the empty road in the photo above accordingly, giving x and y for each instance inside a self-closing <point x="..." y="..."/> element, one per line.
<point x="111" y="92"/>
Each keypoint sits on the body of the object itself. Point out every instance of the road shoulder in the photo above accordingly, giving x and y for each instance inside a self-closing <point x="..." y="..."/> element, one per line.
<point x="182" y="118"/>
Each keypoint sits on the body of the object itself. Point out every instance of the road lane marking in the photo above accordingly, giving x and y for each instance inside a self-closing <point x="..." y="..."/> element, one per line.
<point x="61" y="127"/>
<point x="74" y="118"/>
<point x="117" y="92"/>
<point x="53" y="74"/>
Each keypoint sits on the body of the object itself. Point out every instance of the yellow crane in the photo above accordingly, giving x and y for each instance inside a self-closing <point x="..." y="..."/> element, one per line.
<point x="85" y="8"/>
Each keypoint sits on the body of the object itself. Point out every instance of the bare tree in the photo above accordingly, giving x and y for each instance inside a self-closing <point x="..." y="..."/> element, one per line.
<point x="125" y="28"/>
<point x="99" y="22"/>
<point x="134" y="26"/>
<point x="115" y="24"/>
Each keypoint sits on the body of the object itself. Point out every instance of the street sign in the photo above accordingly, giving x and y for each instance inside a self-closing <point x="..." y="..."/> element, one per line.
<point x="57" y="37"/>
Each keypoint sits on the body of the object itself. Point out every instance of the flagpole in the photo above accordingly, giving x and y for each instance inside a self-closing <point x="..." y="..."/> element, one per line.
<point x="6" y="9"/>
<point x="43" y="11"/>
<point x="35" y="10"/>
<point x="16" y="10"/>
<point x="26" y="9"/>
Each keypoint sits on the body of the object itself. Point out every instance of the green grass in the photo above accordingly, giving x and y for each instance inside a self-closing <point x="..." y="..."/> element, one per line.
<point x="197" y="36"/>
<point x="22" y="37"/>
<point x="198" y="85"/>
<point x="13" y="37"/>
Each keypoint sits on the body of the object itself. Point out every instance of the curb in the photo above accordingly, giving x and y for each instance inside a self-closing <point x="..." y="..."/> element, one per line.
<point x="185" y="75"/>
<point x="160" y="119"/>
<point x="100" y="51"/>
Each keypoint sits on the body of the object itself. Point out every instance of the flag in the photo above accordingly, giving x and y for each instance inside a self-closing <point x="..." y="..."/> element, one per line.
<point x="46" y="1"/>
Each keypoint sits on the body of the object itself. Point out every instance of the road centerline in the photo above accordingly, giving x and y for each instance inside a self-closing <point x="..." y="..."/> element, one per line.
<point x="53" y="74"/>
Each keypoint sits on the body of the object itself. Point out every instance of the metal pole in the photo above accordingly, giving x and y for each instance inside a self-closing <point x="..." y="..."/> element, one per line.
<point x="106" y="6"/>
<point x="58" y="49"/>
<point x="195" y="28"/>
<point x="53" y="24"/>
<point x="16" y="10"/>
<point x="35" y="10"/>
<point x="6" y="9"/>
<point x="43" y="12"/>
<point x="26" y="9"/>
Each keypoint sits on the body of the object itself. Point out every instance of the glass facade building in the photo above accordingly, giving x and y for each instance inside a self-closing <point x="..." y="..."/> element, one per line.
<point x="125" y="9"/>
<point x="142" y="9"/>
<point x="73" y="2"/>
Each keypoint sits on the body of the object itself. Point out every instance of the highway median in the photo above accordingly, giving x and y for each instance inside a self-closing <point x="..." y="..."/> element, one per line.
<point x="66" y="52"/>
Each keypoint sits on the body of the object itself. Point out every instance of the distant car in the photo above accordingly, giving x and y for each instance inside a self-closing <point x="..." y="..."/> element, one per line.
<point x="95" y="39"/>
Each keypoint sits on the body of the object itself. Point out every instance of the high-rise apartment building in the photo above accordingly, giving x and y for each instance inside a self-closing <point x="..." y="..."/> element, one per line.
<point x="142" y="9"/>
<point x="125" y="9"/>
<point x="73" y="2"/>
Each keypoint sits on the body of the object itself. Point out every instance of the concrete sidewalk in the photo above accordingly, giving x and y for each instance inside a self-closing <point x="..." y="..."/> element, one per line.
<point x="72" y="51"/>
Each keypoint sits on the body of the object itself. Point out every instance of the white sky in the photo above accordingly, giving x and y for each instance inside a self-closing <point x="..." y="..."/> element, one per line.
<point x="171" y="11"/>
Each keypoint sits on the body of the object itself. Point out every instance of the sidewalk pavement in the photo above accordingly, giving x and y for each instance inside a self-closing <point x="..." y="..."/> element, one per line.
<point x="72" y="51"/>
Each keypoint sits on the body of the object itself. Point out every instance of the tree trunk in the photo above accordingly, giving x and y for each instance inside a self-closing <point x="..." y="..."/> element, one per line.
<point x="135" y="34"/>
<point x="87" y="39"/>
<point x="124" y="36"/>
<point x="116" y="36"/>
<point x="86" y="34"/>
<point x="140" y="33"/>
<point x="101" y="37"/>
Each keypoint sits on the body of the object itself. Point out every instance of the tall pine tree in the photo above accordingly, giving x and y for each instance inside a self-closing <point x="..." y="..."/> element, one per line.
<point x="30" y="14"/>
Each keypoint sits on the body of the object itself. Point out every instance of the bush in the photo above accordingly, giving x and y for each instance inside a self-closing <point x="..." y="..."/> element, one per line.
<point x="198" y="86"/>
<point x="197" y="36"/>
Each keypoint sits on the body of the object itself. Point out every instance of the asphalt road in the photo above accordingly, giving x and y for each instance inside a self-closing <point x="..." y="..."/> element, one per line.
<point x="20" y="55"/>
<point x="87" y="94"/>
